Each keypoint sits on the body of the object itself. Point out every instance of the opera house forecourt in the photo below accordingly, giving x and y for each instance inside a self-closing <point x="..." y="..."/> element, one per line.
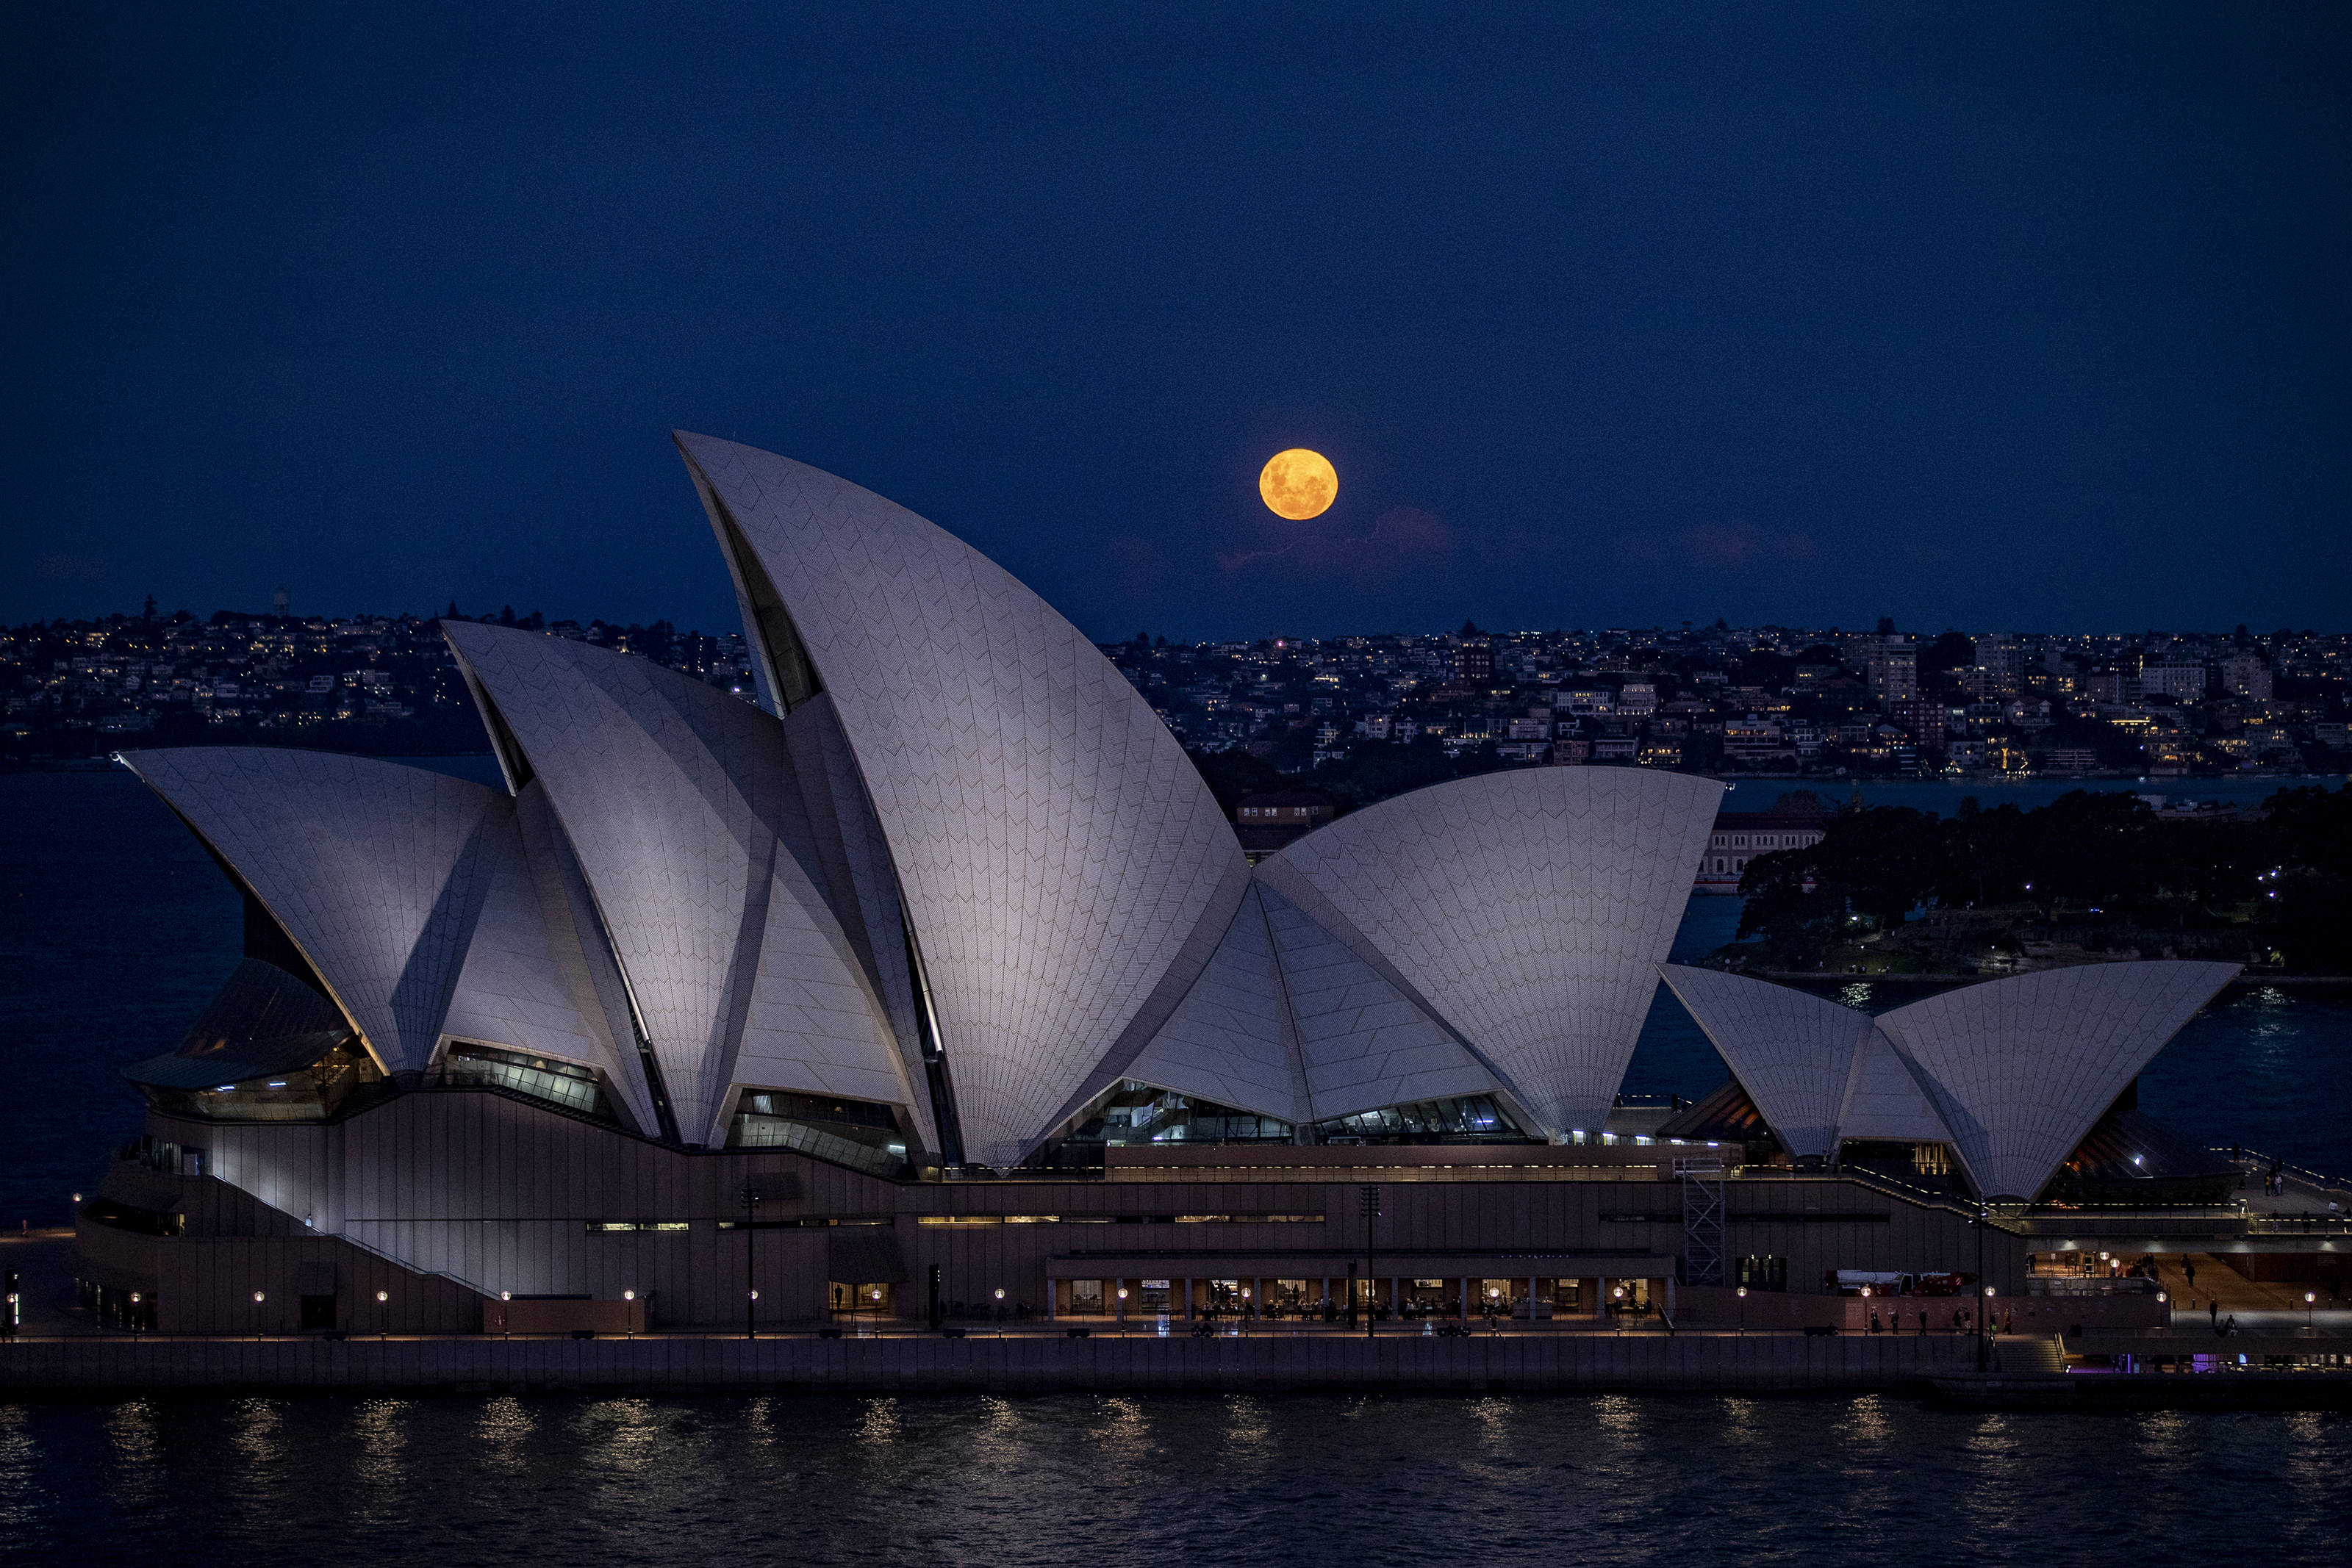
<point x="936" y="990"/>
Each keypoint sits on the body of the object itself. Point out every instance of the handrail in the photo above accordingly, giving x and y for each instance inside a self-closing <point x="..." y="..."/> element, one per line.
<point x="2251" y="1159"/>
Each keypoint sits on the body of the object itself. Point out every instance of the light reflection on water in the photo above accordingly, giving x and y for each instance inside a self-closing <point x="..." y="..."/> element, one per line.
<point x="1284" y="1479"/>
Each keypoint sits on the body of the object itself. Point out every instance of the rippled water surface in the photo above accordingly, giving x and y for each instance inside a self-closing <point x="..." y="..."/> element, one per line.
<point x="1082" y="1478"/>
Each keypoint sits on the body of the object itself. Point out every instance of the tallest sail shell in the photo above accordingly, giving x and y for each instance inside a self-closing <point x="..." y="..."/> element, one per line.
<point x="1066" y="872"/>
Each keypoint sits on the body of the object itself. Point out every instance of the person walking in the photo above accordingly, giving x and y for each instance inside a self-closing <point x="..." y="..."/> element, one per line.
<point x="2213" y="1314"/>
<point x="2189" y="1270"/>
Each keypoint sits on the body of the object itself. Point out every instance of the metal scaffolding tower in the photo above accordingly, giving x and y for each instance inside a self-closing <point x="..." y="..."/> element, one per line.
<point x="1704" y="1253"/>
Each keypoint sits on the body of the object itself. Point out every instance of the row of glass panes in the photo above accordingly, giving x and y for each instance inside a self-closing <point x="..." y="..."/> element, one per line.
<point x="558" y="1085"/>
<point x="756" y="1132"/>
<point x="1120" y="1219"/>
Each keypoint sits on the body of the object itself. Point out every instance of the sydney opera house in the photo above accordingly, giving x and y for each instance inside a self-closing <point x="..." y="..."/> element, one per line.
<point x="937" y="981"/>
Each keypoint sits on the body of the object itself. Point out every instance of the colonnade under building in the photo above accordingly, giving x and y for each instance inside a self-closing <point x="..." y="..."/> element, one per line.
<point x="1322" y="1298"/>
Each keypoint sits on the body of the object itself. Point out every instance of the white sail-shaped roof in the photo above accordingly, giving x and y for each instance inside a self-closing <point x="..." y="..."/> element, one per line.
<point x="1883" y="1099"/>
<point x="2022" y="1068"/>
<point x="516" y="989"/>
<point x="1525" y="910"/>
<point x="682" y="807"/>
<point x="1062" y="863"/>
<point x="1229" y="1040"/>
<point x="1362" y="1043"/>
<point x="376" y="872"/>
<point x="853" y="863"/>
<point x="1791" y="1051"/>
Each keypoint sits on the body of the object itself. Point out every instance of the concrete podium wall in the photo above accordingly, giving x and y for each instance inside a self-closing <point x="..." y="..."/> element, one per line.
<point x="1521" y="1363"/>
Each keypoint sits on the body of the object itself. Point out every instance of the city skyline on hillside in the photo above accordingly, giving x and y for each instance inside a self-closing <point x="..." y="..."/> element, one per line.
<point x="1712" y="699"/>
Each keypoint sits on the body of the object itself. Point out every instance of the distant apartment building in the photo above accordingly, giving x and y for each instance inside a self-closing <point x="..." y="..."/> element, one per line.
<point x="1922" y="718"/>
<point x="2066" y="759"/>
<point x="1637" y="698"/>
<point x="1894" y="665"/>
<point x="1275" y="819"/>
<point x="1753" y="739"/>
<point x="2243" y="675"/>
<point x="1740" y="836"/>
<point x="1590" y="701"/>
<point x="2179" y="679"/>
<point x="1998" y="666"/>
<point x="1474" y="662"/>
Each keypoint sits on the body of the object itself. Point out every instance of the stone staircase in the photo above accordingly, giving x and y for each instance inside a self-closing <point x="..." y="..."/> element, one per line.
<point x="2032" y="1353"/>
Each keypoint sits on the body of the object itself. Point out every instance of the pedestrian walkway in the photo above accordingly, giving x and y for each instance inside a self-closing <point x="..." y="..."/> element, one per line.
<point x="2269" y="1301"/>
<point x="45" y="1286"/>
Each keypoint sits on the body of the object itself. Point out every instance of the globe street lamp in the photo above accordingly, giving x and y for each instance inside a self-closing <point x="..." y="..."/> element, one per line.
<point x="752" y="1195"/>
<point x="2310" y="1300"/>
<point x="1122" y="1311"/>
<point x="1743" y="1312"/>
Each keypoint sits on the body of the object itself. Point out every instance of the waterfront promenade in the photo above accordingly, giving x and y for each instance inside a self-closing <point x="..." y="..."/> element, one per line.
<point x="1017" y="1361"/>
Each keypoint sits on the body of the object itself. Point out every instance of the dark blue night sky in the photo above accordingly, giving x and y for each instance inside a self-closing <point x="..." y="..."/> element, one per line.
<point x="2030" y="317"/>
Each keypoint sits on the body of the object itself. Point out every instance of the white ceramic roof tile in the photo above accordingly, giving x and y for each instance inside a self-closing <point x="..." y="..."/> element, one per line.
<point x="1526" y="909"/>
<point x="1883" y="1099"/>
<point x="2022" y="1068"/>
<point x="1791" y="1051"/>
<point x="1362" y="1044"/>
<point x="681" y="804"/>
<point x="1056" y="850"/>
<point x="516" y="991"/>
<point x="860" y="884"/>
<point x="1226" y="1041"/>
<point x="374" y="870"/>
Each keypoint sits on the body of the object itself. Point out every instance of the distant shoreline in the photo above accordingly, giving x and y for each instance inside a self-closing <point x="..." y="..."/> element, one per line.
<point x="1825" y="977"/>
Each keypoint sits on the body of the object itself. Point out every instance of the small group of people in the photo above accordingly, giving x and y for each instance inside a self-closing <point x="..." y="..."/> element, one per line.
<point x="1963" y="1320"/>
<point x="2273" y="1178"/>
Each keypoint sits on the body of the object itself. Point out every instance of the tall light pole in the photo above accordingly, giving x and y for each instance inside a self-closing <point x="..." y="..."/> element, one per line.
<point x="1982" y="1211"/>
<point x="752" y="1197"/>
<point x="1369" y="1199"/>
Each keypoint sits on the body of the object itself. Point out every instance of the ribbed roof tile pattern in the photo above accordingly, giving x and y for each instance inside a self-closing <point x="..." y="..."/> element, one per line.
<point x="1883" y="1100"/>
<point x="1525" y="909"/>
<point x="1791" y="1051"/>
<point x="1056" y="847"/>
<point x="1361" y="1042"/>
<point x="2022" y="1068"/>
<point x="375" y="871"/>
<point x="680" y="801"/>
<point x="1226" y="1043"/>
<point x="516" y="992"/>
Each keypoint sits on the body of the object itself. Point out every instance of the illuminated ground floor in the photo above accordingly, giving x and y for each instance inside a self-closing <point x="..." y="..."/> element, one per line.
<point x="457" y="1211"/>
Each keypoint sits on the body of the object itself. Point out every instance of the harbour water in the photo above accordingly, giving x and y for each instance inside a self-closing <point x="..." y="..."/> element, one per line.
<point x="1942" y="796"/>
<point x="558" y="1479"/>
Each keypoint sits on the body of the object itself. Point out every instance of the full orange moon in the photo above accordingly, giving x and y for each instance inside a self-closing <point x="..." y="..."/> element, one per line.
<point x="1298" y="483"/>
